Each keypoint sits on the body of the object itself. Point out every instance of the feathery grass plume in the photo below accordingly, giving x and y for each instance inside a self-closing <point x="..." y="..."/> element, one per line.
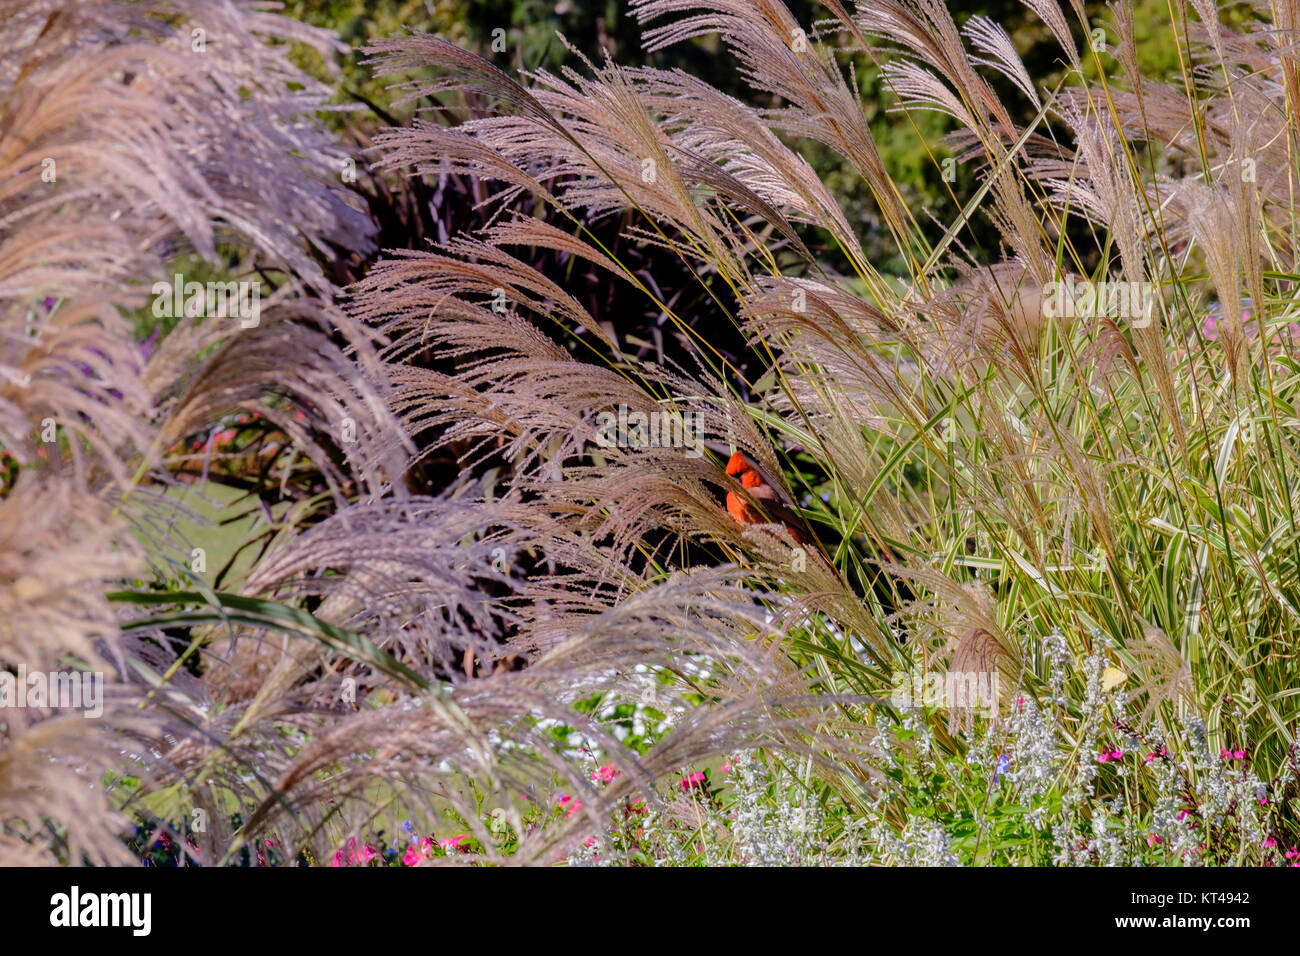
<point x="57" y="547"/>
<point x="131" y="134"/>
<point x="116" y="156"/>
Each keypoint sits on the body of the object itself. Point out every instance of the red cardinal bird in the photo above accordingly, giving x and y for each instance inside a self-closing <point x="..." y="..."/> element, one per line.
<point x="773" y="505"/>
<point x="774" y="508"/>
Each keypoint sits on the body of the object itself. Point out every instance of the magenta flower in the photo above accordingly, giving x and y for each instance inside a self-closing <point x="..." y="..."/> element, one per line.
<point x="694" y="781"/>
<point x="572" y="804"/>
<point x="417" y="853"/>
<point x="454" y="843"/>
<point x="350" y="856"/>
<point x="605" y="774"/>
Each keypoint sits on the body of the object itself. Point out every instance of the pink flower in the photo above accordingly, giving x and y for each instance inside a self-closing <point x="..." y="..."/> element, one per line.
<point x="605" y="774"/>
<point x="571" y="803"/>
<point x="726" y="766"/>
<point x="349" y="856"/>
<point x="1291" y="854"/>
<point x="1152" y="840"/>
<point x="1154" y="754"/>
<point x="1109" y="755"/>
<point x="417" y="853"/>
<point x="1270" y="843"/>
<point x="454" y="843"/>
<point x="589" y="842"/>
<point x="694" y="781"/>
